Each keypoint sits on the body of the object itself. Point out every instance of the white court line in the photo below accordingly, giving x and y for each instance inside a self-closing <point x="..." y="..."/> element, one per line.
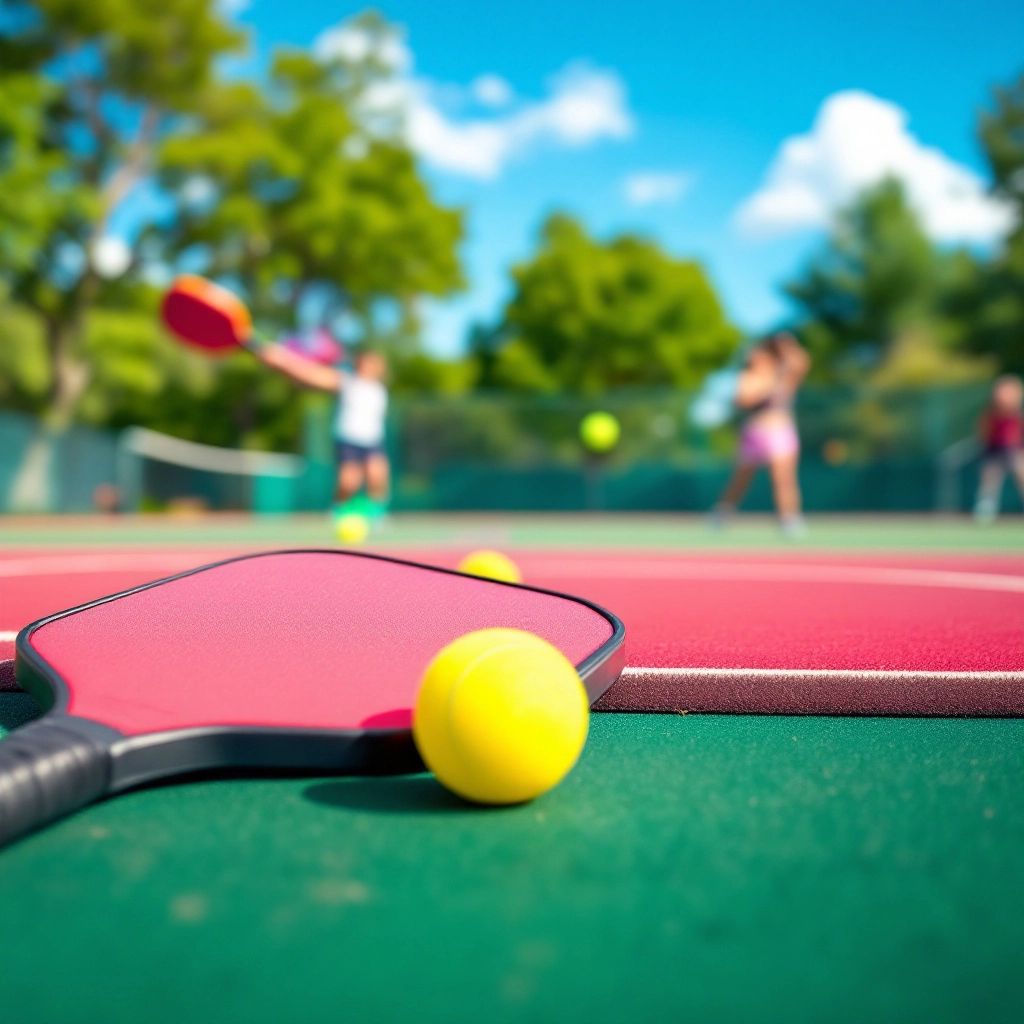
<point x="669" y="674"/>
<point x="783" y="572"/>
<point x="8" y="636"/>
<point x="61" y="565"/>
<point x="662" y="674"/>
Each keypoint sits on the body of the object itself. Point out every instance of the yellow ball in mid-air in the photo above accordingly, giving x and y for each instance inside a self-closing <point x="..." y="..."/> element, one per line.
<point x="501" y="716"/>
<point x="600" y="432"/>
<point x="352" y="528"/>
<point x="492" y="565"/>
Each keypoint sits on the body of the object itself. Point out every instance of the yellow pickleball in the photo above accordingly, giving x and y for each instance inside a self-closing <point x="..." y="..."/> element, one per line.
<point x="492" y="565"/>
<point x="600" y="432"/>
<point x="352" y="528"/>
<point x="501" y="716"/>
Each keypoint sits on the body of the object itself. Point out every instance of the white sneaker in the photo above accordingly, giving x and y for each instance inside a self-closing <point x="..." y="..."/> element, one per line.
<point x="793" y="527"/>
<point x="720" y="517"/>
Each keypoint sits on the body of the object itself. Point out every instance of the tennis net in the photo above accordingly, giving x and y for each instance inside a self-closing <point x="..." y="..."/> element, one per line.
<point x="158" y="472"/>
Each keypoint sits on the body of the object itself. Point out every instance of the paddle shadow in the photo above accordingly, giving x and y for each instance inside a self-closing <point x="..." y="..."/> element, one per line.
<point x="407" y="794"/>
<point x="17" y="709"/>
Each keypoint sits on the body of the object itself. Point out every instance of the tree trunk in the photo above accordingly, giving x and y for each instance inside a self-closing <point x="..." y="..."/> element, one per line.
<point x="35" y="487"/>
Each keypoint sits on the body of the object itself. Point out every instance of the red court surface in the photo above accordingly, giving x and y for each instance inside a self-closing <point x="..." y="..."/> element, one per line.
<point x="776" y="633"/>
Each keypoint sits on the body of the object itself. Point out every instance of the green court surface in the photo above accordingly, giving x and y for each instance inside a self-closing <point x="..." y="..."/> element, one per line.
<point x="923" y="533"/>
<point x="691" y="868"/>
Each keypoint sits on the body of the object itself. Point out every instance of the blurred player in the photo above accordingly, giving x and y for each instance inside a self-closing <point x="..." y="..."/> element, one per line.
<point x="765" y="392"/>
<point x="1001" y="427"/>
<point x="359" y="422"/>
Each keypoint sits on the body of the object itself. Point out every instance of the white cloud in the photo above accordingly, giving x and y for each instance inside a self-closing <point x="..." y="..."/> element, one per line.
<point x="491" y="91"/>
<point x="856" y="141"/>
<point x="649" y="187"/>
<point x="583" y="105"/>
<point x="351" y="42"/>
<point x="232" y="8"/>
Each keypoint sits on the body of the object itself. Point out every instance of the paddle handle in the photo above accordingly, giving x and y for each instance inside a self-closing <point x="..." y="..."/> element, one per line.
<point x="48" y="769"/>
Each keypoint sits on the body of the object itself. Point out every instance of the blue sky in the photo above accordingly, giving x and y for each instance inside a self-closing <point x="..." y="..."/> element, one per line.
<point x="693" y="105"/>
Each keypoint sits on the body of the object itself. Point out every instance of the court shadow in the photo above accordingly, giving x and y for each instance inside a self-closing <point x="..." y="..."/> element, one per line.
<point x="17" y="709"/>
<point x="406" y="794"/>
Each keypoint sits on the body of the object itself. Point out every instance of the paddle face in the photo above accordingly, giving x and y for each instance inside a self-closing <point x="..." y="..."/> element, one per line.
<point x="304" y="659"/>
<point x="205" y="315"/>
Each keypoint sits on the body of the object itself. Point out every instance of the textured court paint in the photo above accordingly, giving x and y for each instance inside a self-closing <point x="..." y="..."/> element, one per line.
<point x="731" y="624"/>
<point x="700" y="613"/>
<point x="690" y="868"/>
<point x="316" y="640"/>
<point x="814" y="692"/>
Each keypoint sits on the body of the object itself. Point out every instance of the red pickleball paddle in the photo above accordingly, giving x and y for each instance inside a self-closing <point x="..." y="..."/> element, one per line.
<point x="292" y="660"/>
<point x="205" y="315"/>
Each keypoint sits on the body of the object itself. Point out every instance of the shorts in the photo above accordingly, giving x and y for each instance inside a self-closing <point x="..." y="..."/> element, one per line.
<point x="1004" y="458"/>
<point x="345" y="451"/>
<point x="760" y="444"/>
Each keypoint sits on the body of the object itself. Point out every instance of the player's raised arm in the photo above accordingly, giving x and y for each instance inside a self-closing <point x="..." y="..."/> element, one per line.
<point x="298" y="368"/>
<point x="795" y="358"/>
<point x="752" y="388"/>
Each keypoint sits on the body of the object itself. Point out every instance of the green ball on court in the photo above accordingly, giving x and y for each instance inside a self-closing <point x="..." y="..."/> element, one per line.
<point x="492" y="565"/>
<point x="352" y="528"/>
<point x="501" y="716"/>
<point x="600" y="432"/>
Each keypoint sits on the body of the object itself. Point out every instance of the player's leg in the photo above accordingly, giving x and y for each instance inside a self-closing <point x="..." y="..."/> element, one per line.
<point x="738" y="485"/>
<point x="378" y="477"/>
<point x="786" y="491"/>
<point x="990" y="486"/>
<point x="733" y="494"/>
<point x="785" y="485"/>
<point x="350" y="477"/>
<point x="1017" y="467"/>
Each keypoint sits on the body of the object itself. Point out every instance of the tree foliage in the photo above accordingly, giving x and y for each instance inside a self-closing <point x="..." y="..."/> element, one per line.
<point x="298" y="195"/>
<point x="86" y="90"/>
<point x="873" y="301"/>
<point x="988" y="295"/>
<point x="283" y="188"/>
<point x="588" y="315"/>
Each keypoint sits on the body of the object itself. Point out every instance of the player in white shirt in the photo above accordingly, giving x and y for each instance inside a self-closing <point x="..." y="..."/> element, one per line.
<point x="359" y="423"/>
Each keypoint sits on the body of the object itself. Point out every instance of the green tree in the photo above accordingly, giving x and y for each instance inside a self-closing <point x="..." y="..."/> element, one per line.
<point x="876" y="281"/>
<point x="86" y="91"/>
<point x="309" y="197"/>
<point x="588" y="315"/>
<point x="988" y="294"/>
<point x="294" y="191"/>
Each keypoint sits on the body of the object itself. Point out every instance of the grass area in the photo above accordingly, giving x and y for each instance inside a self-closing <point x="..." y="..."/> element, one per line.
<point x="639" y="531"/>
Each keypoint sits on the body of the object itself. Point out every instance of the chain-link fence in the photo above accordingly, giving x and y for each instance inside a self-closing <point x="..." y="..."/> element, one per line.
<point x="863" y="450"/>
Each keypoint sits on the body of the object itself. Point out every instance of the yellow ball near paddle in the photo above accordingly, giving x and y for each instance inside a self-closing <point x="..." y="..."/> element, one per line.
<point x="492" y="565"/>
<point x="501" y="716"/>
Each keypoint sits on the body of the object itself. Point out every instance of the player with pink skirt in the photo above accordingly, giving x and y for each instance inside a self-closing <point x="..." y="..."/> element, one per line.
<point x="765" y="393"/>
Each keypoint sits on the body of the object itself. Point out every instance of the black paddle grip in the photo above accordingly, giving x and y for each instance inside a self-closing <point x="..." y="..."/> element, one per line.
<point x="48" y="769"/>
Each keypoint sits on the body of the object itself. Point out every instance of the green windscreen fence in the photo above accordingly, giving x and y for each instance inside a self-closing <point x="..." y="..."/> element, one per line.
<point x="863" y="450"/>
<point x="46" y="471"/>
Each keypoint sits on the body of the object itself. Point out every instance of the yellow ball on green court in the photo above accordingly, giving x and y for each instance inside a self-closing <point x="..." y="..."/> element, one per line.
<point x="501" y="716"/>
<point x="352" y="528"/>
<point x="492" y="565"/>
<point x="600" y="431"/>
